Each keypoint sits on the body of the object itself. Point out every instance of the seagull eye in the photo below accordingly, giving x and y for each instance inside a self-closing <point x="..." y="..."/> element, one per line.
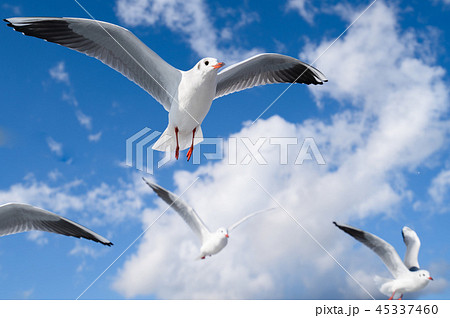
<point x="206" y="62"/>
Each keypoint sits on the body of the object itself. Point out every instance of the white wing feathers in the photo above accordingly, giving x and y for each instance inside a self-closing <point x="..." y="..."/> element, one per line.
<point x="115" y="46"/>
<point x="17" y="217"/>
<point x="267" y="68"/>
<point x="246" y="218"/>
<point x="383" y="249"/>
<point x="183" y="209"/>
<point x="412" y="243"/>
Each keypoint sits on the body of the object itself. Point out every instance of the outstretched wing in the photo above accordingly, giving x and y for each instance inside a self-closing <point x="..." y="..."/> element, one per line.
<point x="383" y="249"/>
<point x="183" y="209"/>
<point x="267" y="68"/>
<point x="247" y="217"/>
<point x="18" y="217"/>
<point x="115" y="46"/>
<point x="412" y="243"/>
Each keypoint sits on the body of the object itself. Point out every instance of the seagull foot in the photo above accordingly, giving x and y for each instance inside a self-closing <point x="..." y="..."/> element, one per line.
<point x="189" y="154"/>
<point x="392" y="296"/>
<point x="177" y="150"/>
<point x="401" y="296"/>
<point x="203" y="257"/>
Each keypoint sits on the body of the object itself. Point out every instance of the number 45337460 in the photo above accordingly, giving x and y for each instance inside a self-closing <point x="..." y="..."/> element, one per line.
<point x="407" y="309"/>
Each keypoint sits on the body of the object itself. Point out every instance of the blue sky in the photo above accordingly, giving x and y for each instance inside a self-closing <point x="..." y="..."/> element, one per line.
<point x="381" y="124"/>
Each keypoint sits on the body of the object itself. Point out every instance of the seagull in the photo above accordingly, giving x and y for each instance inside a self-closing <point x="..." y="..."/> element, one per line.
<point x="19" y="217"/>
<point x="212" y="242"/>
<point x="186" y="95"/>
<point x="408" y="277"/>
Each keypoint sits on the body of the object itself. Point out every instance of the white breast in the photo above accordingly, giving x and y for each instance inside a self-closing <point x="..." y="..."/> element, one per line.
<point x="214" y="245"/>
<point x="195" y="95"/>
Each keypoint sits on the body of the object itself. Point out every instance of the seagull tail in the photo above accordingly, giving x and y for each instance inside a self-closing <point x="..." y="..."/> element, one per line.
<point x="168" y="142"/>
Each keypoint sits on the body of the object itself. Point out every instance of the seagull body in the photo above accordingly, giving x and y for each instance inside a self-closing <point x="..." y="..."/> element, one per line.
<point x="408" y="277"/>
<point x="186" y="95"/>
<point x="212" y="242"/>
<point x="18" y="217"/>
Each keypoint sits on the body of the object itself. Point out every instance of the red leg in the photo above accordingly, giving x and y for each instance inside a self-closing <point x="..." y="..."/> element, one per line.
<point x="203" y="257"/>
<point x="392" y="297"/>
<point x="189" y="154"/>
<point x="401" y="296"/>
<point x="177" y="150"/>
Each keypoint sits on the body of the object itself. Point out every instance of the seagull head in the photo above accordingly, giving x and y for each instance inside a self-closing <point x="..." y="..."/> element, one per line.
<point x="209" y="65"/>
<point x="424" y="275"/>
<point x="222" y="232"/>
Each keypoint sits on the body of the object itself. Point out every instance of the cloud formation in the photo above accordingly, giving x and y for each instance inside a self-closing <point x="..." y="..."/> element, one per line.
<point x="190" y="19"/>
<point x="439" y="190"/>
<point x="304" y="8"/>
<point x="99" y="205"/>
<point x="390" y="122"/>
<point x="84" y="120"/>
<point x="59" y="73"/>
<point x="95" y="137"/>
<point x="55" y="147"/>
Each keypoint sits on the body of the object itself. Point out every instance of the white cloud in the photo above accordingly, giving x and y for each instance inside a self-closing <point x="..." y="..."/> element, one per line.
<point x="16" y="10"/>
<point x="55" y="147"/>
<point x="84" y="250"/>
<point x="390" y="125"/>
<point x="191" y="19"/>
<point x="97" y="205"/>
<point x="59" y="73"/>
<point x="95" y="137"/>
<point x="84" y="120"/>
<point x="38" y="237"/>
<point x="439" y="190"/>
<point x="54" y="175"/>
<point x="70" y="98"/>
<point x="304" y="8"/>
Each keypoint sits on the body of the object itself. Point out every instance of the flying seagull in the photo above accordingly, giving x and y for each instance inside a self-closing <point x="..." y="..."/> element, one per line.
<point x="212" y="242"/>
<point x="186" y="95"/>
<point x="408" y="277"/>
<point x="18" y="217"/>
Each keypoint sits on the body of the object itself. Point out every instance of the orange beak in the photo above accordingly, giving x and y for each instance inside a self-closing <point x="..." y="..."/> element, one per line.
<point x="226" y="235"/>
<point x="430" y="278"/>
<point x="219" y="65"/>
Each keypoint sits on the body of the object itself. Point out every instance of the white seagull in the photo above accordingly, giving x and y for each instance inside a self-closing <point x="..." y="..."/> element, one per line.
<point x="212" y="242"/>
<point x="186" y="95"/>
<point x="19" y="217"/>
<point x="407" y="275"/>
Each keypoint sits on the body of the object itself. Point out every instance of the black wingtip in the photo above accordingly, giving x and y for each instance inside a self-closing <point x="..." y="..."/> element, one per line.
<point x="109" y="244"/>
<point x="9" y="23"/>
<point x="151" y="185"/>
<point x="147" y="182"/>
